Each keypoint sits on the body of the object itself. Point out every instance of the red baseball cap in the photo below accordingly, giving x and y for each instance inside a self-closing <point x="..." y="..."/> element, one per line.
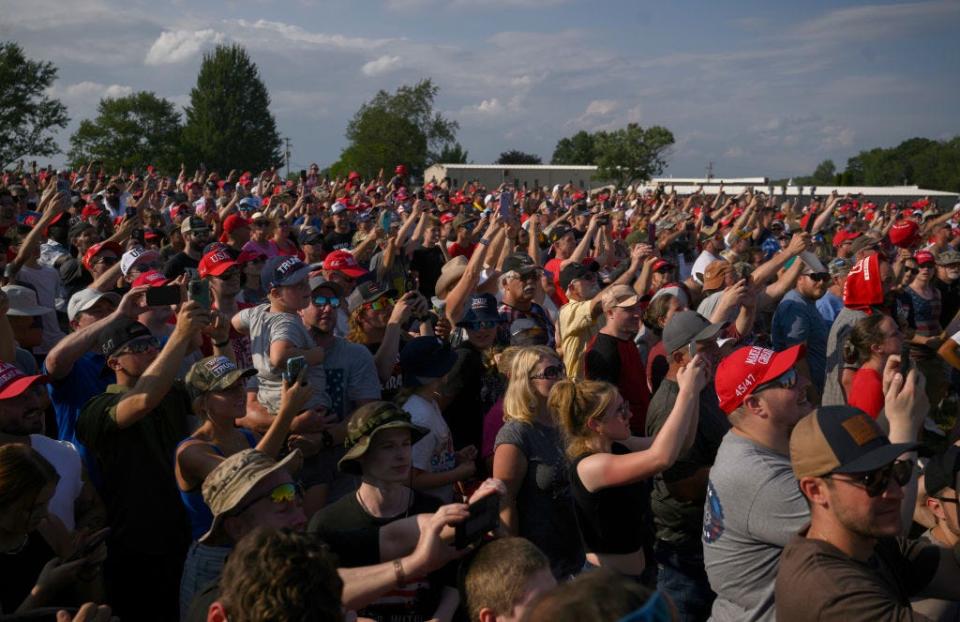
<point x="98" y="248"/>
<point x="342" y="261"/>
<point x="13" y="382"/>
<point x="231" y="224"/>
<point x="745" y="369"/>
<point x="248" y="256"/>
<point x="923" y="257"/>
<point x="216" y="263"/>
<point x="90" y="209"/>
<point x="150" y="279"/>
<point x="446" y="217"/>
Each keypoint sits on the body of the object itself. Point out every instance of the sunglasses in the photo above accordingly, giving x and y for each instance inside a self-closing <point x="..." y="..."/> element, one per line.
<point x="282" y="494"/>
<point x="380" y="305"/>
<point x="140" y="346"/>
<point x="106" y="261"/>
<point x="144" y="267"/>
<point x="818" y="276"/>
<point x="786" y="380"/>
<point x="876" y="482"/>
<point x="482" y="324"/>
<point x="322" y="301"/>
<point x="550" y="373"/>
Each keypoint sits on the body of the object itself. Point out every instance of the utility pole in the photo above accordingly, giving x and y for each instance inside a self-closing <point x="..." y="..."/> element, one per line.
<point x="709" y="170"/>
<point x="286" y="140"/>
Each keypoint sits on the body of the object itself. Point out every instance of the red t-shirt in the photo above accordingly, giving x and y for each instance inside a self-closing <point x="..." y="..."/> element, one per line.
<point x="557" y="295"/>
<point x="866" y="392"/>
<point x="456" y="250"/>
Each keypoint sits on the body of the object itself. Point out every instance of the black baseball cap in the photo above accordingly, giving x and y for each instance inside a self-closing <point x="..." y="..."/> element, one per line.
<point x="576" y="270"/>
<point x="114" y="337"/>
<point x="367" y="291"/>
<point x="941" y="471"/>
<point x="559" y="231"/>
<point x="520" y="263"/>
<point x="425" y="357"/>
<point x="841" y="439"/>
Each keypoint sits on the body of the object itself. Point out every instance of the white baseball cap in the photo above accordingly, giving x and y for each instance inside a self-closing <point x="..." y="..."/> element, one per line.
<point x="134" y="255"/>
<point x="85" y="299"/>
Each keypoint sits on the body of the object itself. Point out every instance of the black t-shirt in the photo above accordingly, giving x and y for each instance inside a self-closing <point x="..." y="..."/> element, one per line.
<point x="475" y="391"/>
<point x="949" y="300"/>
<point x="681" y="522"/>
<point x="136" y="463"/>
<point x="393" y="384"/>
<point x="338" y="241"/>
<point x="353" y="536"/>
<point x="427" y="262"/>
<point x="610" y="518"/>
<point x="178" y="264"/>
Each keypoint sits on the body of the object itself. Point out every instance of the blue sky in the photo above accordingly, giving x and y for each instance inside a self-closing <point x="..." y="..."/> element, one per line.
<point x="759" y="88"/>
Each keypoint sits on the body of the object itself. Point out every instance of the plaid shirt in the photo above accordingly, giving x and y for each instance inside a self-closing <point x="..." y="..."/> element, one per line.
<point x="536" y="313"/>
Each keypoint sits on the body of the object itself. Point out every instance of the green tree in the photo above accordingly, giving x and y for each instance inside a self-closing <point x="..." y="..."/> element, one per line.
<point x="825" y="173"/>
<point x="228" y="123"/>
<point x="930" y="164"/>
<point x="28" y="115"/>
<point x="398" y="128"/>
<point x="452" y="154"/>
<point x="577" y="149"/>
<point x="129" y="132"/>
<point x="518" y="157"/>
<point x="632" y="153"/>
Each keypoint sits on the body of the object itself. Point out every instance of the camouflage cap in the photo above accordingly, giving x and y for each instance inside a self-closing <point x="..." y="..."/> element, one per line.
<point x="214" y="373"/>
<point x="367" y="421"/>
<point x="232" y="483"/>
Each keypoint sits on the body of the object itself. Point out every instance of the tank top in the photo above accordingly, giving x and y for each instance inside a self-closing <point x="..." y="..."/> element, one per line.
<point x="197" y="510"/>
<point x="610" y="519"/>
<point x="20" y="571"/>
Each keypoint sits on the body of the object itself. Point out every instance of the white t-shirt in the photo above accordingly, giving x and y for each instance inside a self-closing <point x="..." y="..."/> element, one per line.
<point x="434" y="452"/>
<point x="46" y="281"/>
<point x="65" y="459"/>
<point x="264" y="328"/>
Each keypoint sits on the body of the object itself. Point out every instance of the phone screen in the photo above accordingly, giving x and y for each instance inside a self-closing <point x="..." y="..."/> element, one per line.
<point x="163" y="296"/>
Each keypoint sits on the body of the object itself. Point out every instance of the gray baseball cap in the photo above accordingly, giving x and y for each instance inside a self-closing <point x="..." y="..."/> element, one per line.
<point x="85" y="299"/>
<point x="687" y="327"/>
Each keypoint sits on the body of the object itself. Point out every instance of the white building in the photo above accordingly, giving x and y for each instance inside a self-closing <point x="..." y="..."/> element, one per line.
<point x="534" y="175"/>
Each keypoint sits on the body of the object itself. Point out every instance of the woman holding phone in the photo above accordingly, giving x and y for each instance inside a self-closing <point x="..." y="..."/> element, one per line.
<point x="609" y="467"/>
<point x="216" y="386"/>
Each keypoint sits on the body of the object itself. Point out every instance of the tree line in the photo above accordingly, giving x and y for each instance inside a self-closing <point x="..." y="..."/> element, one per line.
<point x="228" y="124"/>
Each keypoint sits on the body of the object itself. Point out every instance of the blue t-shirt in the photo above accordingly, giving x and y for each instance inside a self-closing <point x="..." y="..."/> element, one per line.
<point x="797" y="320"/>
<point x="829" y="307"/>
<point x="89" y="377"/>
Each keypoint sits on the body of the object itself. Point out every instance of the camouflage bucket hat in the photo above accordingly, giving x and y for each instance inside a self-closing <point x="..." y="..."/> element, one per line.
<point x="367" y="421"/>
<point x="229" y="486"/>
<point x="214" y="373"/>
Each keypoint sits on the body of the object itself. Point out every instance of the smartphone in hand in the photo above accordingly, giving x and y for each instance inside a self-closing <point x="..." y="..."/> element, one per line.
<point x="484" y="517"/>
<point x="295" y="365"/>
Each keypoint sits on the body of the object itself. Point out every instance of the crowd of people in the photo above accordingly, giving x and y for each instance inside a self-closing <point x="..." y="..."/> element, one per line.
<point x="248" y="398"/>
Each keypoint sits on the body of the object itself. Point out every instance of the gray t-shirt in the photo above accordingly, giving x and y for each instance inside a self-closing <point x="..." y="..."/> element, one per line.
<point x="351" y="376"/>
<point x="833" y="394"/>
<point x="709" y="304"/>
<point x="264" y="328"/>
<point x="544" y="501"/>
<point x="753" y="508"/>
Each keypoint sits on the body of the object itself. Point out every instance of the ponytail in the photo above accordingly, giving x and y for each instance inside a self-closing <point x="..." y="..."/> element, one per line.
<point x="574" y="403"/>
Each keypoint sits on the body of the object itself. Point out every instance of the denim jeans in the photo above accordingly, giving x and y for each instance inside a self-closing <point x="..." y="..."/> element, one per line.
<point x="682" y="576"/>
<point x="204" y="565"/>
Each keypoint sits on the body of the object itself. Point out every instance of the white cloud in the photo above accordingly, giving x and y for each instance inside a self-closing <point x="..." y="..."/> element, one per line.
<point x="302" y="37"/>
<point x="380" y="66"/>
<point x="733" y="152"/>
<point x="601" y="107"/>
<point x="88" y="91"/>
<point x="486" y="107"/>
<point x="176" y="46"/>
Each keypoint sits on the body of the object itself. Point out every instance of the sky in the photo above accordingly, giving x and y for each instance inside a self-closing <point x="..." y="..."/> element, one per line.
<point x="759" y="88"/>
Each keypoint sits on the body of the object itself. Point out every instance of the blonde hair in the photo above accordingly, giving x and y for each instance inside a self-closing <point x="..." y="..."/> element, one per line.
<point x="520" y="401"/>
<point x="355" y="331"/>
<point x="505" y="359"/>
<point x="574" y="404"/>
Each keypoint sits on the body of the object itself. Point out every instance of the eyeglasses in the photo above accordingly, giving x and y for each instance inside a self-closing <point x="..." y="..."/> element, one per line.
<point x="948" y="500"/>
<point x="322" y="301"/>
<point x="284" y="493"/>
<point x="818" y="276"/>
<point x="380" y="305"/>
<point x="105" y="261"/>
<point x="553" y="372"/>
<point x="876" y="482"/>
<point x="482" y="324"/>
<point x="144" y="267"/>
<point x="200" y="233"/>
<point x="786" y="380"/>
<point x="140" y="346"/>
